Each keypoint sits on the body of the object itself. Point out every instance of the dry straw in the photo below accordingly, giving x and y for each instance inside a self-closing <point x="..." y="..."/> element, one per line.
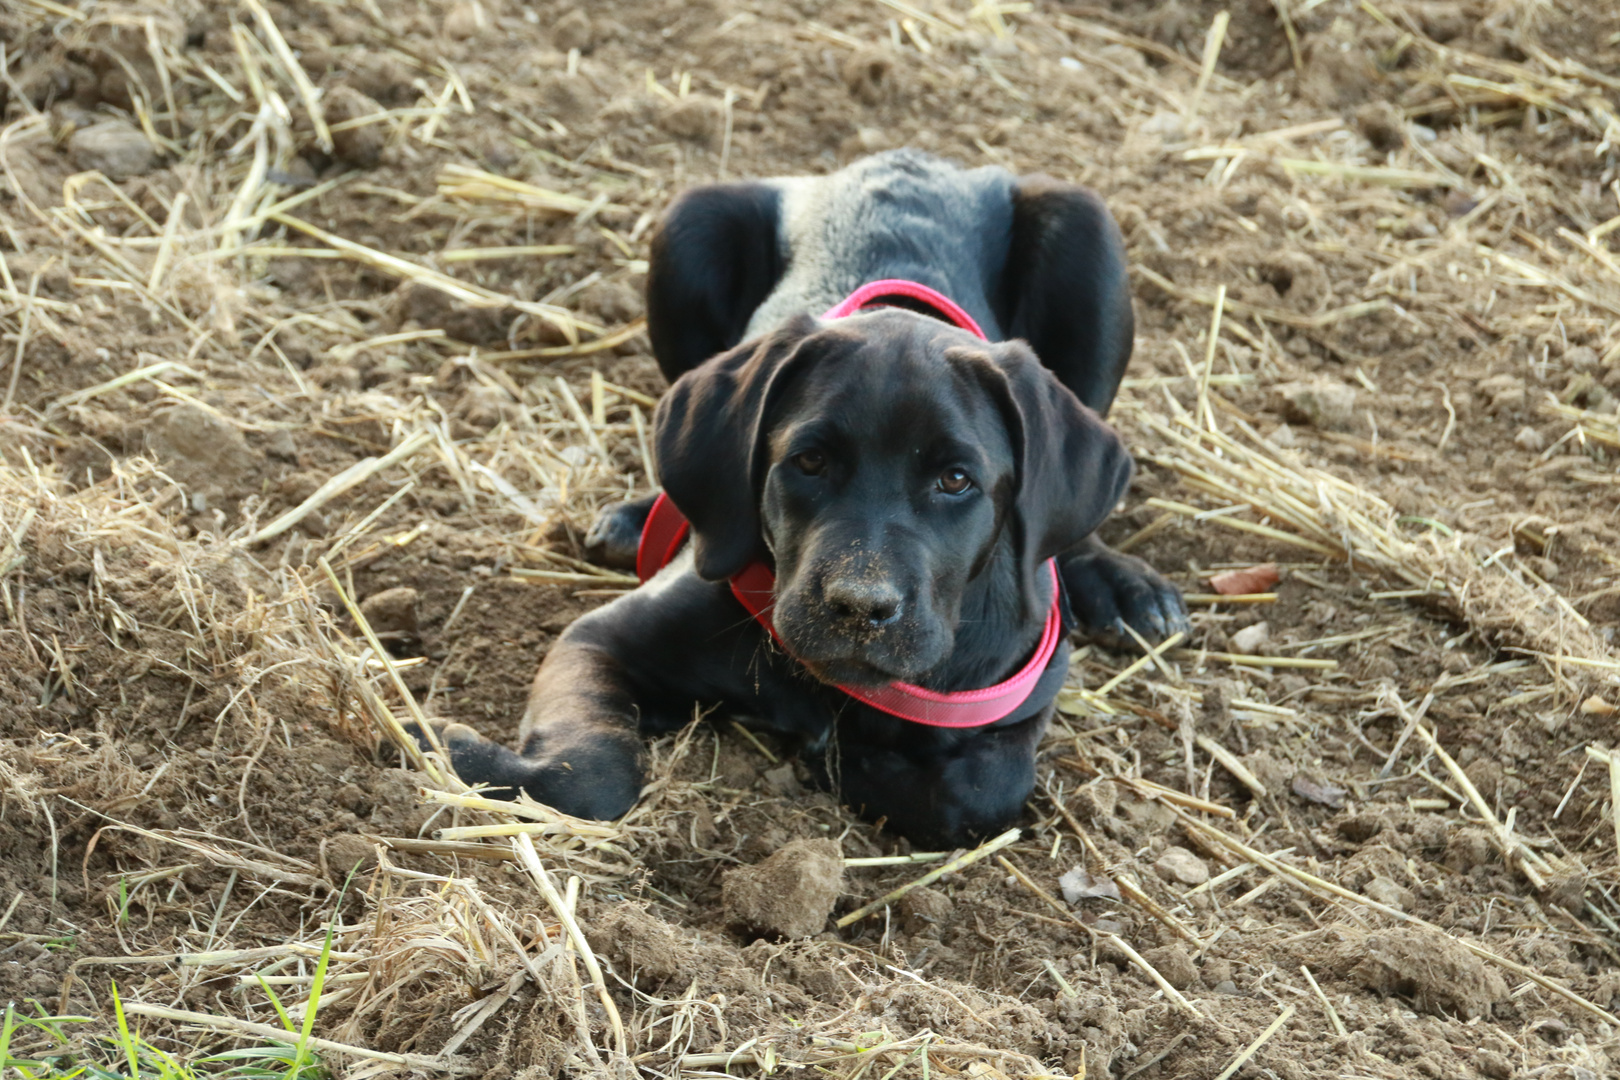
<point x="989" y="847"/>
<point x="1304" y="507"/>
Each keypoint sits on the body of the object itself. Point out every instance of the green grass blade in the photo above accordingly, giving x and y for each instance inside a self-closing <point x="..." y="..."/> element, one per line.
<point x="125" y="1039"/>
<point x="275" y="1002"/>
<point x="295" y="1071"/>
<point x="6" y="1028"/>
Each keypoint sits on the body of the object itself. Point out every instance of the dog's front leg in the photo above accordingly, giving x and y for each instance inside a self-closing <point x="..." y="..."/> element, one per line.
<point x="1110" y="590"/>
<point x="940" y="789"/>
<point x="580" y="752"/>
<point x="616" y="533"/>
<point x="633" y="667"/>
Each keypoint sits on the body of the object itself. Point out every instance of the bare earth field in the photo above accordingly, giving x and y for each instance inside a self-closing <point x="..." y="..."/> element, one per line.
<point x="309" y="309"/>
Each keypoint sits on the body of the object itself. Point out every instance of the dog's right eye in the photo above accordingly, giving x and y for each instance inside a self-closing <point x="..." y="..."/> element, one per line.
<point x="811" y="462"/>
<point x="954" y="481"/>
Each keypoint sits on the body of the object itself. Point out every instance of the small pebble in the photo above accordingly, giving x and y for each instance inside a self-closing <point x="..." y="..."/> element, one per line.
<point x="1321" y="403"/>
<point x="466" y="19"/>
<point x="1080" y="884"/>
<point x="113" y="148"/>
<point x="1530" y="439"/>
<point x="392" y="611"/>
<point x="1389" y="893"/>
<point x="697" y="118"/>
<point x="1581" y="357"/>
<point x="574" y="31"/>
<point x="363" y="145"/>
<point x="1251" y="639"/>
<point x="1173" y="962"/>
<point x="1167" y="125"/>
<point x="1179" y="864"/>
<point x="789" y="894"/>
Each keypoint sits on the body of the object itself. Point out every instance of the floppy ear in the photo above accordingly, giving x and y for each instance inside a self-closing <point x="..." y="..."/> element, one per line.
<point x="709" y="440"/>
<point x="1072" y="467"/>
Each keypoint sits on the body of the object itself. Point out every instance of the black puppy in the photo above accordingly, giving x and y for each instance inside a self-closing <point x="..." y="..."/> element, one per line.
<point x="909" y="473"/>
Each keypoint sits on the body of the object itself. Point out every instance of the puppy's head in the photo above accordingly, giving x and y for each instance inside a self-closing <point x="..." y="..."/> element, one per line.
<point x="883" y="461"/>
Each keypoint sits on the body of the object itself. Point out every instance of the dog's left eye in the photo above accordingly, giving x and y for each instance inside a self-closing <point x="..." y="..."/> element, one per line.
<point x="954" y="481"/>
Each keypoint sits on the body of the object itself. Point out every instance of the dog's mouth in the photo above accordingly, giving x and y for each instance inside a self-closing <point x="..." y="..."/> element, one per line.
<point x="838" y="661"/>
<point x="849" y="672"/>
<point x="842" y="650"/>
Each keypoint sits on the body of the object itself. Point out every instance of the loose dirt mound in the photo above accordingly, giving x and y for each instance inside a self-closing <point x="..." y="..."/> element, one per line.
<point x="321" y="345"/>
<point x="1440" y="976"/>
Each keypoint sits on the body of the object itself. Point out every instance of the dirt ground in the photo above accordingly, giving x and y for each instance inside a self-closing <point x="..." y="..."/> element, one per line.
<point x="360" y="283"/>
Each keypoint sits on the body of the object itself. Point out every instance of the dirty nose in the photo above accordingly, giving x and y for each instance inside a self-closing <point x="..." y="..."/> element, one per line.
<point x="872" y="603"/>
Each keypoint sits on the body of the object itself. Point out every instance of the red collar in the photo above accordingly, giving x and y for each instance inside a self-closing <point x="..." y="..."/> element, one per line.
<point x="755" y="586"/>
<point x="872" y="293"/>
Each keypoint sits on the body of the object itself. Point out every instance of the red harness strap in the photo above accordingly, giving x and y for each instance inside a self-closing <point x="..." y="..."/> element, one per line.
<point x="755" y="585"/>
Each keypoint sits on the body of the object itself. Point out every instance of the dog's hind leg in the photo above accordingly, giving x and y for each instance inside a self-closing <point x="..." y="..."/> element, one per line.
<point x="1065" y="289"/>
<point x="1066" y="292"/>
<point x="714" y="258"/>
<point x="1109" y="590"/>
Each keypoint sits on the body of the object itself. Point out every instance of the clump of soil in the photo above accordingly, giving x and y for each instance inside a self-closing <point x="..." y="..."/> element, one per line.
<point x="644" y="946"/>
<point x="790" y="893"/>
<point x="1431" y="970"/>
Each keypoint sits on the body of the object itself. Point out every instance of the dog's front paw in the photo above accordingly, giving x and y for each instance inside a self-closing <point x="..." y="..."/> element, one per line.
<point x="476" y="760"/>
<point x="616" y="534"/>
<point x="1110" y="591"/>
<point x="446" y="733"/>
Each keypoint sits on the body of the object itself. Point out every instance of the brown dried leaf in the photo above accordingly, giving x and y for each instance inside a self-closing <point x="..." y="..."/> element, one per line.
<point x="1256" y="579"/>
<point x="1312" y="791"/>
<point x="1079" y="884"/>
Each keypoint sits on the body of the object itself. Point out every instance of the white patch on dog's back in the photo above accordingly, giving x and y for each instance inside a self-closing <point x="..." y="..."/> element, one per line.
<point x="901" y="214"/>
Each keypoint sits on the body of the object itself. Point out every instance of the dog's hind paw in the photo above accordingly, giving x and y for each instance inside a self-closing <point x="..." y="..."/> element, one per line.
<point x="1109" y="591"/>
<point x="616" y="534"/>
